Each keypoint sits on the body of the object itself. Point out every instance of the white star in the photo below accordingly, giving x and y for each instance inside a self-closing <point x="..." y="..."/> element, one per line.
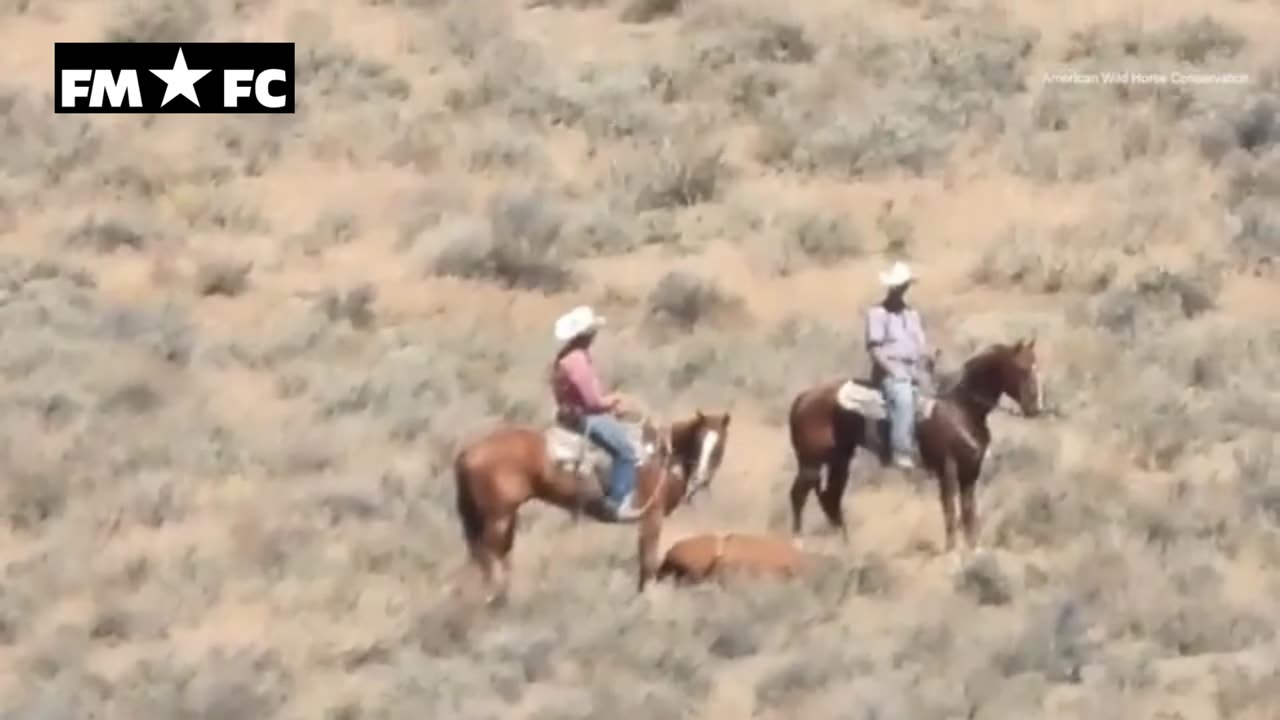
<point x="180" y="81"/>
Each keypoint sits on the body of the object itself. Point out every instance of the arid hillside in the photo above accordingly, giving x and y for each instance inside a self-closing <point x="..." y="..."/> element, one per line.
<point x="237" y="355"/>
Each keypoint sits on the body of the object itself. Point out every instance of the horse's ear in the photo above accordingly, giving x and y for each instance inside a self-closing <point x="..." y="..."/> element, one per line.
<point x="1017" y="347"/>
<point x="700" y="416"/>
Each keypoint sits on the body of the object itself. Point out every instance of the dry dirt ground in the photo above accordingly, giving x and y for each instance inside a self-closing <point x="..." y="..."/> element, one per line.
<point x="237" y="353"/>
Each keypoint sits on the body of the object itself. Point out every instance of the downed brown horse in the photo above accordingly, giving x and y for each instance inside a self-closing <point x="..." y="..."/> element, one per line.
<point x="951" y="432"/>
<point x="500" y="471"/>
<point x="700" y="557"/>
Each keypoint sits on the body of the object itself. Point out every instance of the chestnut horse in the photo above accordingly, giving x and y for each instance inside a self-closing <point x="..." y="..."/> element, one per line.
<point x="698" y="558"/>
<point x="951" y="432"/>
<point x="500" y="471"/>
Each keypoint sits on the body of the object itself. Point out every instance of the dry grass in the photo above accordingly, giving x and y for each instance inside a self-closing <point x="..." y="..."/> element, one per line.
<point x="237" y="354"/>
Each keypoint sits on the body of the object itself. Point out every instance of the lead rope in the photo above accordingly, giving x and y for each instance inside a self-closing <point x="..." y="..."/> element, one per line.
<point x="662" y="475"/>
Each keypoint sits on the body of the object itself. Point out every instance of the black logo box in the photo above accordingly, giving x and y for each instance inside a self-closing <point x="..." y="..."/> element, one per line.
<point x="146" y="56"/>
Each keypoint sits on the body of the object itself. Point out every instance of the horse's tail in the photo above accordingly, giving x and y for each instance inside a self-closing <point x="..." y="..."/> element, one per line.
<point x="468" y="511"/>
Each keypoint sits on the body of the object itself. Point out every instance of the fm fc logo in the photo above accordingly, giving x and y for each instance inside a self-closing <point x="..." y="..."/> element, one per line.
<point x="173" y="77"/>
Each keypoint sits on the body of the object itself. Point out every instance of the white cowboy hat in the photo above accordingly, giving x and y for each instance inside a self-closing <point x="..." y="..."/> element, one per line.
<point x="576" y="322"/>
<point x="898" y="274"/>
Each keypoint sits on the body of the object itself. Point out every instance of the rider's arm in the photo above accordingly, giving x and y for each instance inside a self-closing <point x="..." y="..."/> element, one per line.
<point x="875" y="338"/>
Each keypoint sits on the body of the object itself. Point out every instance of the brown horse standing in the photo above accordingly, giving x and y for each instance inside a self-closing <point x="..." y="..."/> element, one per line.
<point x="953" y="437"/>
<point x="500" y="471"/>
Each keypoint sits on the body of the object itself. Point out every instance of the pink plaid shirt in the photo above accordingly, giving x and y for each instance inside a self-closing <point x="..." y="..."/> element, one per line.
<point x="576" y="386"/>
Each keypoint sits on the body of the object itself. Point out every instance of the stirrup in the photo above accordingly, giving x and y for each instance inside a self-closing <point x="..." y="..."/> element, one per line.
<point x="626" y="510"/>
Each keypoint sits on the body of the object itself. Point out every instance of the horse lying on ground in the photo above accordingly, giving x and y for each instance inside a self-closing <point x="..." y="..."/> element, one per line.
<point x="698" y="558"/>
<point x="500" y="471"/>
<point x="831" y="422"/>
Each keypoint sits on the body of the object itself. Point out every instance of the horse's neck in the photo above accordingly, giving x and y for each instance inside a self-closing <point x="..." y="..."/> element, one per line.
<point x="673" y="490"/>
<point x="683" y="441"/>
<point x="669" y="486"/>
<point x="973" y="393"/>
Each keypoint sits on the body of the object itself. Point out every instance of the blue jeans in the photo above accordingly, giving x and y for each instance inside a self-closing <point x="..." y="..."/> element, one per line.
<point x="900" y="398"/>
<point x="607" y="432"/>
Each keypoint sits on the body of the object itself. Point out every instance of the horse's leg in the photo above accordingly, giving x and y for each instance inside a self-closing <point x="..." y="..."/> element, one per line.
<point x="499" y="538"/>
<point x="968" y="505"/>
<point x="832" y="493"/>
<point x="947" y="482"/>
<point x="808" y="476"/>
<point x="649" y="532"/>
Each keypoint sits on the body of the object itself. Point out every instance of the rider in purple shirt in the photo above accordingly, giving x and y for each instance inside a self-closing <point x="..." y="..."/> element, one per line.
<point x="898" y="346"/>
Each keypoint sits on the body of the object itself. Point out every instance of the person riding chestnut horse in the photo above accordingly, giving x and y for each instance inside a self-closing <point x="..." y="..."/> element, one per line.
<point x="584" y="407"/>
<point x="586" y="460"/>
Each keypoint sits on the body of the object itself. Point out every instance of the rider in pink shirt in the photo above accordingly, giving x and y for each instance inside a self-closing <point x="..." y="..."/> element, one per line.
<point x="582" y="405"/>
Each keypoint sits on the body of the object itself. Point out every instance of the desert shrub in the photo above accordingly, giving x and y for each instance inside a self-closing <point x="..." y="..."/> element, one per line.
<point x="1199" y="40"/>
<point x="159" y="21"/>
<point x="341" y="74"/>
<point x="1048" y="513"/>
<point x="792" y="240"/>
<point x="33" y="498"/>
<point x="1256" y="464"/>
<point x="824" y="240"/>
<point x="503" y="147"/>
<point x="1053" y="642"/>
<point x="1251" y="125"/>
<point x="678" y="175"/>
<point x="331" y="228"/>
<point x="108" y="235"/>
<point x="646" y="11"/>
<point x="38" y="145"/>
<point x="597" y="231"/>
<point x="1021" y="258"/>
<point x="569" y="4"/>
<point x="521" y="250"/>
<point x="257" y="144"/>
<point x="222" y="277"/>
<point x="913" y="129"/>
<point x="1155" y="298"/>
<point x="682" y="302"/>
<point x="1252" y="223"/>
<point x="986" y="582"/>
<point x="355" y="305"/>
<point x="726" y="35"/>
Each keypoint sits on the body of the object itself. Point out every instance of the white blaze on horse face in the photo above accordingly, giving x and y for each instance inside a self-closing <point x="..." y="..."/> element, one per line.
<point x="709" y="442"/>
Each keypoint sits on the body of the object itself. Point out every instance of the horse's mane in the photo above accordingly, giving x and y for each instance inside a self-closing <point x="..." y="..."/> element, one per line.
<point x="975" y="367"/>
<point x="982" y="361"/>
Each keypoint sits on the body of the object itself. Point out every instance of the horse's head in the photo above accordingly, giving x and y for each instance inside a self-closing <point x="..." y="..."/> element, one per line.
<point x="697" y="447"/>
<point x="1019" y="376"/>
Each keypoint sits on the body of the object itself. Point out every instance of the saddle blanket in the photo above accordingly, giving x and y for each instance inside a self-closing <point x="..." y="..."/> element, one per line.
<point x="868" y="402"/>
<point x="569" y="447"/>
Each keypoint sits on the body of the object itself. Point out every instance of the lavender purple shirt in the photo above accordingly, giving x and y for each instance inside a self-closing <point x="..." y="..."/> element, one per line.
<point x="896" y="339"/>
